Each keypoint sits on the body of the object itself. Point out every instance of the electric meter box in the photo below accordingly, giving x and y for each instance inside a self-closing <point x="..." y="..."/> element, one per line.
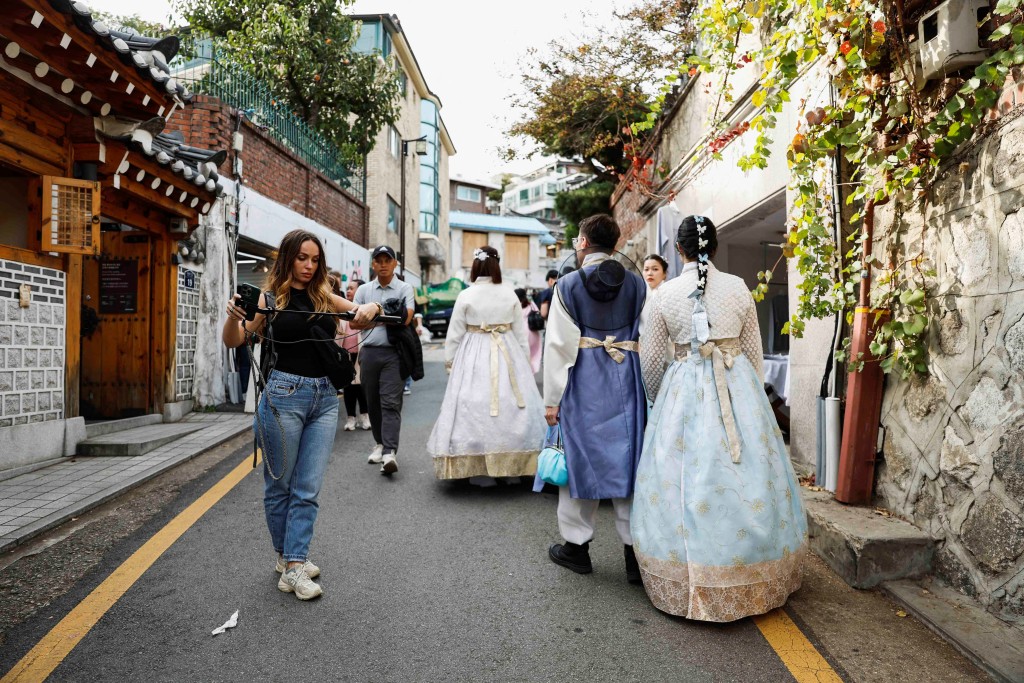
<point x="949" y="37"/>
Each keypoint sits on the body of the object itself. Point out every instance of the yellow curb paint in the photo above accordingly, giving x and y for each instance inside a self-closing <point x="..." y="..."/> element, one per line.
<point x="796" y="652"/>
<point x="48" y="653"/>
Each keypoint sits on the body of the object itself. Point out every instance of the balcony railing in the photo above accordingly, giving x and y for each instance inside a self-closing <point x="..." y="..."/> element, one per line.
<point x="234" y="86"/>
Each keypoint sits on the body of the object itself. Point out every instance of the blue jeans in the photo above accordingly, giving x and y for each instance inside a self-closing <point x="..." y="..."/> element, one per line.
<point x="307" y="408"/>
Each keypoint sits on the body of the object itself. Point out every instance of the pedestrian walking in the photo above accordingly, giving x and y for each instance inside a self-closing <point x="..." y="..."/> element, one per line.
<point x="355" y="401"/>
<point x="544" y="298"/>
<point x="718" y="525"/>
<point x="533" y="336"/>
<point x="380" y="371"/>
<point x="492" y="419"/>
<point x="297" y="414"/>
<point x="594" y="391"/>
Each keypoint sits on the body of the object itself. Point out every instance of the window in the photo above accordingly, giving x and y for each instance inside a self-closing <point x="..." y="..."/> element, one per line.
<point x="468" y="194"/>
<point x="394" y="215"/>
<point x="524" y="196"/>
<point x="394" y="142"/>
<point x="517" y="252"/>
<point x="552" y="188"/>
<point x="471" y="241"/>
<point x="403" y="82"/>
<point x="536" y="190"/>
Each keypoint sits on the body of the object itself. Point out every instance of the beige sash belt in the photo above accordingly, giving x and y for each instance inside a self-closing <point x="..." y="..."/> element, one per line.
<point x="723" y="353"/>
<point x="615" y="349"/>
<point x="497" y="333"/>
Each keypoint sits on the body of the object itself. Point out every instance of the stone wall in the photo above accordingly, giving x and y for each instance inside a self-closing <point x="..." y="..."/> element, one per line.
<point x="187" y="331"/>
<point x="954" y="440"/>
<point x="31" y="345"/>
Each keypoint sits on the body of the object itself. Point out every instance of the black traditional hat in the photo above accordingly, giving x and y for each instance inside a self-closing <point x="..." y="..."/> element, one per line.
<point x="604" y="282"/>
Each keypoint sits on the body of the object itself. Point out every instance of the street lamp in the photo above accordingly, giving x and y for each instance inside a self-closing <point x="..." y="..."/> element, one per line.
<point x="420" y="149"/>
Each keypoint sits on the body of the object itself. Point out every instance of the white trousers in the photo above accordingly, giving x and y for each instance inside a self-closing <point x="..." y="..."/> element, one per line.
<point x="576" y="517"/>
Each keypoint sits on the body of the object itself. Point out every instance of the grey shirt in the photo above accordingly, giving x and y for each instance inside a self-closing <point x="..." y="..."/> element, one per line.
<point x="372" y="292"/>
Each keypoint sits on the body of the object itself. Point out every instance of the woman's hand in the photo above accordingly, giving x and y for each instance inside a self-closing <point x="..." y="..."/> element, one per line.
<point x="365" y="314"/>
<point x="551" y="415"/>
<point x="236" y="312"/>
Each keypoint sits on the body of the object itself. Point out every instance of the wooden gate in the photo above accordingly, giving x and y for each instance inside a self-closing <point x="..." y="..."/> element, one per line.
<point x="116" y="368"/>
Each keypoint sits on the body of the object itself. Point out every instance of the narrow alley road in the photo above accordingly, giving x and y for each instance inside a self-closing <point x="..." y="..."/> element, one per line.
<point x="431" y="581"/>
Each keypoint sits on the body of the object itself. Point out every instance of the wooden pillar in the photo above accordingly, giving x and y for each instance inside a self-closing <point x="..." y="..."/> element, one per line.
<point x="164" y="307"/>
<point x="72" y="334"/>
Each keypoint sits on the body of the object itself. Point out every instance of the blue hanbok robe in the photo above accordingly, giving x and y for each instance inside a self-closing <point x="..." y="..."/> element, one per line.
<point x="603" y="406"/>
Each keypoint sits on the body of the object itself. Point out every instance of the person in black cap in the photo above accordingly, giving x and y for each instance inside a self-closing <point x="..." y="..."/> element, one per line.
<point x="544" y="298"/>
<point x="593" y="331"/>
<point x="380" y="371"/>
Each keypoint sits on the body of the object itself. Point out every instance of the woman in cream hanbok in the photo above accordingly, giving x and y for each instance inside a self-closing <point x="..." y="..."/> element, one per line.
<point x="492" y="418"/>
<point x="718" y="526"/>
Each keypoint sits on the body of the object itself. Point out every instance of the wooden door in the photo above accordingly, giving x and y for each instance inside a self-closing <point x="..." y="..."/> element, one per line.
<point x="116" y="374"/>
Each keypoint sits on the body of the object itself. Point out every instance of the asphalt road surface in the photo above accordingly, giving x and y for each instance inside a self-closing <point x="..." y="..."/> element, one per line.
<point x="423" y="581"/>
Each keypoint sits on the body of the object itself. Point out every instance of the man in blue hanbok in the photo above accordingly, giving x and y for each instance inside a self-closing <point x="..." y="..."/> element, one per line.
<point x="593" y="388"/>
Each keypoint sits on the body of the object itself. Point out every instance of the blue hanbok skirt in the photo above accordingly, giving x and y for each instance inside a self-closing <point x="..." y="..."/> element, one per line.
<point x="716" y="540"/>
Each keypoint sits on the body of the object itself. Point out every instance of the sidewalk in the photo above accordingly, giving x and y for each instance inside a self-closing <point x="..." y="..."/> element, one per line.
<point x="40" y="500"/>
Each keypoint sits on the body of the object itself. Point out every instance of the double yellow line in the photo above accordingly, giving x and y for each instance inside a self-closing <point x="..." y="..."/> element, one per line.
<point x="804" y="662"/>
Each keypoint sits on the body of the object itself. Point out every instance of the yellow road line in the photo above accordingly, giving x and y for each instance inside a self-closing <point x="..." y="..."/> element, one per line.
<point x="48" y="653"/>
<point x="796" y="652"/>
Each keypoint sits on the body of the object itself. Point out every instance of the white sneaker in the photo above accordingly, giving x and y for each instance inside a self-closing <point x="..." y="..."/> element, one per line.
<point x="364" y="421"/>
<point x="350" y="424"/>
<point x="390" y="465"/>
<point x="376" y="455"/>
<point x="312" y="571"/>
<point x="407" y="391"/>
<point x="297" y="581"/>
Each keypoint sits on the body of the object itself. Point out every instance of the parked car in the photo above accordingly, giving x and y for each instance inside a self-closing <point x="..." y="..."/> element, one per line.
<point x="437" y="321"/>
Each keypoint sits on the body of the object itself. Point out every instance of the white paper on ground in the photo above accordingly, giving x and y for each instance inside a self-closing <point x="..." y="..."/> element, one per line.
<point x="230" y="623"/>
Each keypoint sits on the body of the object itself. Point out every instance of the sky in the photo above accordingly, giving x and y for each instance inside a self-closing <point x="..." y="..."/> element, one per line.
<point x="470" y="58"/>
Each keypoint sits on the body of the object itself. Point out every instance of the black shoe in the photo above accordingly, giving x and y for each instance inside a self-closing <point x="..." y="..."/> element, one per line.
<point x="632" y="566"/>
<point x="572" y="556"/>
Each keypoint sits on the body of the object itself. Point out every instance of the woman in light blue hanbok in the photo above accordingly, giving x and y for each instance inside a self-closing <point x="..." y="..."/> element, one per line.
<point x="718" y="526"/>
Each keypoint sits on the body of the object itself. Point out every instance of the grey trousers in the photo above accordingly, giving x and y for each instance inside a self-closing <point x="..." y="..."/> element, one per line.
<point x="382" y="387"/>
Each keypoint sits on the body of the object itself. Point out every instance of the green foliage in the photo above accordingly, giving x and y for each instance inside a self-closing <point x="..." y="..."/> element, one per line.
<point x="496" y="195"/>
<point x="897" y="136"/>
<point x="575" y="205"/>
<point x="133" y="22"/>
<point x="579" y="98"/>
<point x="304" y="50"/>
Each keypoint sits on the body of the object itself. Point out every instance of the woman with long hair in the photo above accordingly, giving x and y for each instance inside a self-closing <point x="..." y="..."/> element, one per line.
<point x="492" y="418"/>
<point x="297" y="414"/>
<point x="718" y="526"/>
<point x="536" y="344"/>
<point x="355" y="400"/>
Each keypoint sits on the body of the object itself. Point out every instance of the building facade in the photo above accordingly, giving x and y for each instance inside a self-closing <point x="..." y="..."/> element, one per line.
<point x="96" y="193"/>
<point x="469" y="196"/>
<point x="520" y="242"/>
<point x="407" y="183"/>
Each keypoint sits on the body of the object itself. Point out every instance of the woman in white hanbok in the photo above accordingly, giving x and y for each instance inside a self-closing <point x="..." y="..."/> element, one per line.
<point x="718" y="526"/>
<point x="492" y="418"/>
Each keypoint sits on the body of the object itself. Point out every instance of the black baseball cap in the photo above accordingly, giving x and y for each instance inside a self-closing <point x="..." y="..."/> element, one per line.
<point x="384" y="250"/>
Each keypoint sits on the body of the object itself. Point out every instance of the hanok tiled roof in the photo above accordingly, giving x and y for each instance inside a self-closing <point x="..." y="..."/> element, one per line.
<point x="199" y="166"/>
<point x="150" y="56"/>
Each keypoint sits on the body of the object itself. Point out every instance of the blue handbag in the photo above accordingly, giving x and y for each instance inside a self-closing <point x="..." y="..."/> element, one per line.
<point x="551" y="461"/>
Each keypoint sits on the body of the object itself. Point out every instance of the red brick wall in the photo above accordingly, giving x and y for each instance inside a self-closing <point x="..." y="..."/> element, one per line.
<point x="270" y="169"/>
<point x="626" y="205"/>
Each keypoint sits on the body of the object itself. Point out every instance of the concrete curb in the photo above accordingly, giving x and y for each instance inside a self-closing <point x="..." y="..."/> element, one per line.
<point x="77" y="508"/>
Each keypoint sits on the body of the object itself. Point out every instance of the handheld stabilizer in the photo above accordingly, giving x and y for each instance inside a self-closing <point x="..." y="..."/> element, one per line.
<point x="249" y="299"/>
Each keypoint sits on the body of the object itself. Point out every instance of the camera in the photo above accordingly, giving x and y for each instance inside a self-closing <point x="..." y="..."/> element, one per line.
<point x="249" y="299"/>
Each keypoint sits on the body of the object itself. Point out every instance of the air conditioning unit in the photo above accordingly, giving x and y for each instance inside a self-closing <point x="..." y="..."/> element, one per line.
<point x="949" y="37"/>
<point x="178" y="226"/>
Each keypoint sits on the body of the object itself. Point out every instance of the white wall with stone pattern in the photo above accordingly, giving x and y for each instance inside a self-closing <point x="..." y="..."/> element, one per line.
<point x="187" y="325"/>
<point x="31" y="345"/>
<point x="953" y="454"/>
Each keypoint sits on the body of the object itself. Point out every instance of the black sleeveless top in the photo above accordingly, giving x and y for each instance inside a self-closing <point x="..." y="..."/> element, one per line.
<point x="301" y="357"/>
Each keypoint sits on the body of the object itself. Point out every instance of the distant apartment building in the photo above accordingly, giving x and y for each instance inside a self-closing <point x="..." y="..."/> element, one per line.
<point x="418" y="140"/>
<point x="533" y="194"/>
<point x="470" y="195"/>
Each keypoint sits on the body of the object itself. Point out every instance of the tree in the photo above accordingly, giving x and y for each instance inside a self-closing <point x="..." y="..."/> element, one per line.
<point x="496" y="195"/>
<point x="133" y="22"/>
<point x="575" y="205"/>
<point x="305" y="51"/>
<point x="580" y="99"/>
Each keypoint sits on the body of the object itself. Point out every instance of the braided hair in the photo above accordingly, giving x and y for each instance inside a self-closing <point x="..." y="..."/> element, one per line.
<point x="697" y="238"/>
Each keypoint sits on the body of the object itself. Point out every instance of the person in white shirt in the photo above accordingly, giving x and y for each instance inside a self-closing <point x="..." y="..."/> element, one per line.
<point x="491" y="422"/>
